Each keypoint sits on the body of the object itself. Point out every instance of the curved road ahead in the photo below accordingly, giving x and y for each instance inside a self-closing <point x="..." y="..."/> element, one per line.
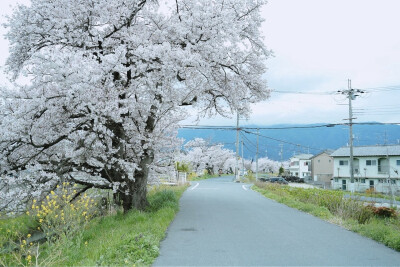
<point x="225" y="223"/>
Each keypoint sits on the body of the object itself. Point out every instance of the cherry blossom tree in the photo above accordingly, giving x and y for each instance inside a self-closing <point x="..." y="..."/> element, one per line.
<point x="108" y="80"/>
<point x="266" y="165"/>
<point x="205" y="156"/>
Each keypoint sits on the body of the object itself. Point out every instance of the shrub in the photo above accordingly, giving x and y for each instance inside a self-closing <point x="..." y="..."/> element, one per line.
<point x="57" y="213"/>
<point x="163" y="199"/>
<point x="383" y="212"/>
<point x="58" y="219"/>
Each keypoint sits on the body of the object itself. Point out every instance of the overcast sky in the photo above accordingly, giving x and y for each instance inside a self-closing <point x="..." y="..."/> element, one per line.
<point x="318" y="45"/>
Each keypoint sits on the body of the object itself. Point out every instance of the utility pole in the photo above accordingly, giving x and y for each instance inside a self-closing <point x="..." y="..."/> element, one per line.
<point x="242" y="158"/>
<point x="389" y="178"/>
<point x="257" y="156"/>
<point x="351" y="95"/>
<point x="237" y="148"/>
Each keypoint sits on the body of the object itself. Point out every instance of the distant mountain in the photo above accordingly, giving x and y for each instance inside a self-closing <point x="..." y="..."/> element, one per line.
<point x="297" y="140"/>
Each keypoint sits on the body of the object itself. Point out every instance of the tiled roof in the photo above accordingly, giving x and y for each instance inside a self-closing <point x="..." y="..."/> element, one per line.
<point x="303" y="156"/>
<point x="328" y="152"/>
<point x="365" y="151"/>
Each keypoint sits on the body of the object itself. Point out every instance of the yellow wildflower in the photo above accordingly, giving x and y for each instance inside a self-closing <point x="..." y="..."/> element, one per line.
<point x="27" y="213"/>
<point x="24" y="242"/>
<point x="52" y="192"/>
<point x="29" y="235"/>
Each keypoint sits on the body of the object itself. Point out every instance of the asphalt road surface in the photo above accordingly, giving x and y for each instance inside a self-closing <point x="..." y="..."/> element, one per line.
<point x="222" y="223"/>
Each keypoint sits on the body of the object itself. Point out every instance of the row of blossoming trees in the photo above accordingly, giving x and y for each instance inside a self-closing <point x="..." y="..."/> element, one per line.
<point x="203" y="156"/>
<point x="107" y="80"/>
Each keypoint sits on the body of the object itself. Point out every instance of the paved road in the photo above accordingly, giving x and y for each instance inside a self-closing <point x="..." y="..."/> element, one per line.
<point x="225" y="223"/>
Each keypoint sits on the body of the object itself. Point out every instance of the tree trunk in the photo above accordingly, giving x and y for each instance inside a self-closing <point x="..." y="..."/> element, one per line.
<point x="139" y="194"/>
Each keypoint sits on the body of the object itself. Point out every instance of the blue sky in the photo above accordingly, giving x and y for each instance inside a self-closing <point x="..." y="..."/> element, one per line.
<point x="317" y="46"/>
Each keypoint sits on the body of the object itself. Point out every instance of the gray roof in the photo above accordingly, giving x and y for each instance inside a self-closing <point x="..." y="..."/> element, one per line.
<point x="366" y="151"/>
<point x="303" y="156"/>
<point x="328" y="152"/>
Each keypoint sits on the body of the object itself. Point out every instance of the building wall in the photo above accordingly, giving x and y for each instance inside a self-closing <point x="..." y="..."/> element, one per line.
<point x="367" y="174"/>
<point x="322" y="168"/>
<point x="305" y="168"/>
<point x="365" y="170"/>
<point x="300" y="168"/>
<point x="294" y="167"/>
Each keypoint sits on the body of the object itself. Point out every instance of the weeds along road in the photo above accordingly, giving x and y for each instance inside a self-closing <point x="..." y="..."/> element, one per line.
<point x="225" y="223"/>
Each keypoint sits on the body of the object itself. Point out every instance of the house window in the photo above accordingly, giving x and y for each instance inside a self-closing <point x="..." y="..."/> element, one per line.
<point x="371" y="162"/>
<point x="336" y="180"/>
<point x="329" y="160"/>
<point x="319" y="161"/>
<point x="343" y="162"/>
<point x="398" y="162"/>
<point x="363" y="181"/>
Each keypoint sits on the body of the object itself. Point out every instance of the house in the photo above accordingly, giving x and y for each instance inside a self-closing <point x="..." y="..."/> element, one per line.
<point x="322" y="168"/>
<point x="374" y="167"/>
<point x="300" y="165"/>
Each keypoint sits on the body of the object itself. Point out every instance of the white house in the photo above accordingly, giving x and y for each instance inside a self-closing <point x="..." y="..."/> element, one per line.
<point x="374" y="167"/>
<point x="300" y="165"/>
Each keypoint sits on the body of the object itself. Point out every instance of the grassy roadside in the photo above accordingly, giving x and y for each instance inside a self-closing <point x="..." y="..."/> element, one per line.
<point x="118" y="239"/>
<point x="331" y="206"/>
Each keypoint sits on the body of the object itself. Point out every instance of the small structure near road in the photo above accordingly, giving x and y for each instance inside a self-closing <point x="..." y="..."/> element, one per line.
<point x="175" y="178"/>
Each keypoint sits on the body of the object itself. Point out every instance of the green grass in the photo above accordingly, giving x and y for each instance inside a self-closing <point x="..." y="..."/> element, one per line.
<point x="120" y="239"/>
<point x="332" y="206"/>
<point x="14" y="228"/>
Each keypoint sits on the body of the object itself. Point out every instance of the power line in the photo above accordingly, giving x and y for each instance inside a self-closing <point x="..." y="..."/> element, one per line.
<point x="304" y="92"/>
<point x="250" y="142"/>
<point x="283" y="141"/>
<point x="328" y="125"/>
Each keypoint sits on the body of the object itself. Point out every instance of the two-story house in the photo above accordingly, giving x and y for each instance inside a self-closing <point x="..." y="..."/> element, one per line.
<point x="374" y="167"/>
<point x="300" y="165"/>
<point x="322" y="168"/>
